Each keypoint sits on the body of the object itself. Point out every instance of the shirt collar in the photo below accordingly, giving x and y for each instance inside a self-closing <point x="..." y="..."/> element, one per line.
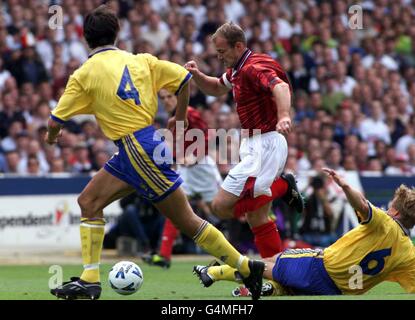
<point x="101" y="49"/>
<point x="405" y="230"/>
<point x="241" y="60"/>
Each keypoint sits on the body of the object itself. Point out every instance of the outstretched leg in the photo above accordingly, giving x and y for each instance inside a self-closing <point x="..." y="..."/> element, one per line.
<point x="177" y="208"/>
<point x="216" y="272"/>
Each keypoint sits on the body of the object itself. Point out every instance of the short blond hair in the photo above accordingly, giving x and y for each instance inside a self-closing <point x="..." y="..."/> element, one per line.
<point x="404" y="203"/>
<point x="231" y="32"/>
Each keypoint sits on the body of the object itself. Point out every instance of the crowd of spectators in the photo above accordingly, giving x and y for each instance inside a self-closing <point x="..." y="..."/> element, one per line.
<point x="354" y="86"/>
<point x="354" y="89"/>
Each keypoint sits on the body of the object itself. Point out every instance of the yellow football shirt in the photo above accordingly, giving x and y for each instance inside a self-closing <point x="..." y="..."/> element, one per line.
<point x="120" y="89"/>
<point x="378" y="248"/>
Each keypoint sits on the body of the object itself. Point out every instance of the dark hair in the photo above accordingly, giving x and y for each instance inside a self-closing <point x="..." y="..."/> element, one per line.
<point x="101" y="27"/>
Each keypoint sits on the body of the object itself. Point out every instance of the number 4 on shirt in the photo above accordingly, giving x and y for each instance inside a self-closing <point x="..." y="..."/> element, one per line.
<point x="126" y="89"/>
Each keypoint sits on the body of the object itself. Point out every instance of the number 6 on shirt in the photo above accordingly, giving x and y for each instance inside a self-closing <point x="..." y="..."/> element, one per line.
<point x="128" y="93"/>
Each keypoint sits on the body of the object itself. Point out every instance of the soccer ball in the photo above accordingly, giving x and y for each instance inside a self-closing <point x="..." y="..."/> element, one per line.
<point x="125" y="277"/>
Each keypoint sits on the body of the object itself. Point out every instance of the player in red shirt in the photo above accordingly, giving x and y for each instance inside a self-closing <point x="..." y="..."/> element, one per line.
<point x="201" y="176"/>
<point x="262" y="95"/>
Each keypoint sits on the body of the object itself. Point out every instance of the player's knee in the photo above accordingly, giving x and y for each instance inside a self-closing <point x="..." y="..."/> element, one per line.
<point x="215" y="208"/>
<point x="86" y="205"/>
<point x="221" y="211"/>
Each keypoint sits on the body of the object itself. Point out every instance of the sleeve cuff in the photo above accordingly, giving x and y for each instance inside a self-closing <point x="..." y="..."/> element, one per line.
<point x="369" y="216"/>
<point x="185" y="80"/>
<point x="275" y="81"/>
<point x="224" y="81"/>
<point x="58" y="120"/>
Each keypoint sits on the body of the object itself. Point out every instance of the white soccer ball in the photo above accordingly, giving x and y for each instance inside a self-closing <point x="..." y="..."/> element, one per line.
<point x="125" y="277"/>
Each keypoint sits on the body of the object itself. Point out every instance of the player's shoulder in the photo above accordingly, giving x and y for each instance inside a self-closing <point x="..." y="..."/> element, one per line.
<point x="381" y="211"/>
<point x="260" y="56"/>
<point x="94" y="65"/>
<point x="379" y="218"/>
<point x="146" y="56"/>
<point x="153" y="61"/>
<point x="375" y="211"/>
<point x="259" y="61"/>
<point x="82" y="71"/>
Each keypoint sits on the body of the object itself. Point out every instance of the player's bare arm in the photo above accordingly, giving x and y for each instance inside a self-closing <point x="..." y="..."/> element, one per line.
<point x="181" y="109"/>
<point x="209" y="85"/>
<point x="54" y="132"/>
<point x="355" y="197"/>
<point x="282" y="96"/>
<point x="182" y="103"/>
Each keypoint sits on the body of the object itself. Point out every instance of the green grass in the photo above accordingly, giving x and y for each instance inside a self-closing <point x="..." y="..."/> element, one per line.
<point x="177" y="283"/>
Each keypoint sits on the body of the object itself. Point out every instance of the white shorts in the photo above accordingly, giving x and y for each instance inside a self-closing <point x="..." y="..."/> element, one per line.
<point x="263" y="157"/>
<point x="202" y="178"/>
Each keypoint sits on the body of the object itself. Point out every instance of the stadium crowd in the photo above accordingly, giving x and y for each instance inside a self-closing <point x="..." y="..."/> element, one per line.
<point x="354" y="88"/>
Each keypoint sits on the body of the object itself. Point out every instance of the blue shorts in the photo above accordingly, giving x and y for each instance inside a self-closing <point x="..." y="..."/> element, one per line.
<point x="303" y="272"/>
<point x="135" y="164"/>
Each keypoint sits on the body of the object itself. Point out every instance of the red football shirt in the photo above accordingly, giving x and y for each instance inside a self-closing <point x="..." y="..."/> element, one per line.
<point x="252" y="81"/>
<point x="196" y="122"/>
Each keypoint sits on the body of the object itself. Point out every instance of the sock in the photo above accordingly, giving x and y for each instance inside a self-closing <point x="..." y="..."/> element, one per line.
<point x="167" y="240"/>
<point x="92" y="237"/>
<point x="224" y="272"/>
<point x="214" y="242"/>
<point x="247" y="204"/>
<point x="267" y="239"/>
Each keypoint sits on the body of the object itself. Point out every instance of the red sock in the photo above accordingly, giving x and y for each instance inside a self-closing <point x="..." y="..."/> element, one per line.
<point x="247" y="204"/>
<point x="267" y="239"/>
<point x="167" y="240"/>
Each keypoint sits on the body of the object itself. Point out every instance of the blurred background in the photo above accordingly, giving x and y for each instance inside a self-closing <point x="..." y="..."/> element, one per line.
<point x="352" y="74"/>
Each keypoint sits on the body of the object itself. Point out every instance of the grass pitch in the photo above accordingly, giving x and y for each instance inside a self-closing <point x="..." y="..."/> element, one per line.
<point x="29" y="282"/>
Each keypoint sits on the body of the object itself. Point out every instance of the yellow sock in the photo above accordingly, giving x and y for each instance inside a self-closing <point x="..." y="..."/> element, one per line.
<point x="214" y="242"/>
<point x="223" y="272"/>
<point x="92" y="237"/>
